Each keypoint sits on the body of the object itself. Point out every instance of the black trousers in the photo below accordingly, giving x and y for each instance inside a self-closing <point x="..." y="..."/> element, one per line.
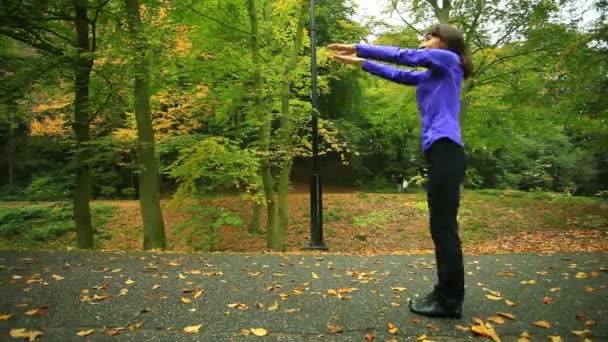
<point x="446" y="164"/>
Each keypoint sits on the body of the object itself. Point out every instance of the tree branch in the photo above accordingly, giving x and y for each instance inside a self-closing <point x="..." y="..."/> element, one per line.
<point x="394" y="3"/>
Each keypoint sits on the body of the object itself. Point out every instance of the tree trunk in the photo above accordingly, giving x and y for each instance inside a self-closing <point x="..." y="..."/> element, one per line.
<point x="277" y="240"/>
<point x="254" y="225"/>
<point x="12" y="109"/>
<point x="149" y="197"/>
<point x="82" y="191"/>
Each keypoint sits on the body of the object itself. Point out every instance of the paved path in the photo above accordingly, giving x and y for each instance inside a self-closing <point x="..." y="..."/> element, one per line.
<point x="293" y="297"/>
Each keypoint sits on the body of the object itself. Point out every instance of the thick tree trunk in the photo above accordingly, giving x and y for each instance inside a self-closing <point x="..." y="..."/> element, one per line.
<point x="82" y="191"/>
<point x="277" y="240"/>
<point x="149" y="197"/>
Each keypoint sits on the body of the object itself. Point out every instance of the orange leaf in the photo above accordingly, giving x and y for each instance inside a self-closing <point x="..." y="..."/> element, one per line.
<point x="392" y="329"/>
<point x="334" y="329"/>
<point x="369" y="337"/>
<point x="590" y="323"/>
<point x="5" y="317"/>
<point x="548" y="300"/>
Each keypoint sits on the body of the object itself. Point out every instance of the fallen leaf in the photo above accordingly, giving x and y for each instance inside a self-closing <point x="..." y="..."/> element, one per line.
<point x="542" y="324"/>
<point x="369" y="337"/>
<point x="135" y="326"/>
<point x="31" y="335"/>
<point x="5" y="317"/>
<point x="239" y="306"/>
<point x="555" y="339"/>
<point x="506" y="274"/>
<point x="582" y="333"/>
<point x="496" y="319"/>
<point x="37" y="312"/>
<point x="117" y="270"/>
<point x="493" y="297"/>
<point x="273" y="306"/>
<point x="506" y="315"/>
<point x="245" y="332"/>
<point x="595" y="273"/>
<point x="332" y="292"/>
<point x="510" y="303"/>
<point x="542" y="273"/>
<point x="334" y="329"/>
<point x="95" y="298"/>
<point x="462" y="328"/>
<point x="192" y="329"/>
<point x="581" y="275"/>
<point x="284" y="295"/>
<point x="346" y="289"/>
<point x="495" y="293"/>
<point x="581" y="316"/>
<point x="590" y="323"/>
<point x="181" y="276"/>
<point x="395" y="305"/>
<point x="524" y="337"/>
<point x="314" y="276"/>
<point x="155" y="287"/>
<point x="198" y="294"/>
<point x="57" y="277"/>
<point x="528" y="282"/>
<point x="259" y="332"/>
<point x="485" y="330"/>
<point x="297" y="291"/>
<point x="432" y="327"/>
<point x="588" y="288"/>
<point x="124" y="292"/>
<point x="548" y="300"/>
<point x="83" y="333"/>
<point x="392" y="329"/>
<point x="185" y="300"/>
<point x="398" y="289"/>
<point x="421" y="338"/>
<point x="555" y="289"/>
<point x="416" y="321"/>
<point x="114" y="331"/>
<point x="292" y="310"/>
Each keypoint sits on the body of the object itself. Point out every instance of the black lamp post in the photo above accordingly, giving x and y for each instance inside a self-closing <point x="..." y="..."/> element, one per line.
<point x="316" y="194"/>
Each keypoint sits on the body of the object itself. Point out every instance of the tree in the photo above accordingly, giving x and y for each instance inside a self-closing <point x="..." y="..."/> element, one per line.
<point x="149" y="197"/>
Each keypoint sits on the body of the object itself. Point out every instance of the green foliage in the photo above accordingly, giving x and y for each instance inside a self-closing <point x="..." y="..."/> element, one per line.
<point x="37" y="224"/>
<point x="55" y="187"/>
<point x="201" y="229"/>
<point x="214" y="165"/>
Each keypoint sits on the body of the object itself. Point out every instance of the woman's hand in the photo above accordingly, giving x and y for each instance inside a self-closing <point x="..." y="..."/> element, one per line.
<point x="349" y="59"/>
<point x="342" y="49"/>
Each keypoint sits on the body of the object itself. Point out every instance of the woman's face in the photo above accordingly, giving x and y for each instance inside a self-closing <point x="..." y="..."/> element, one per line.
<point x="432" y="42"/>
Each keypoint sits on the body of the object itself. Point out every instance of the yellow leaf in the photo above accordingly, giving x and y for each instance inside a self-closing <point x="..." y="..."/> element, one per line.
<point x="185" y="300"/>
<point x="555" y="289"/>
<point x="398" y="289"/>
<point x="181" y="276"/>
<point x="297" y="291"/>
<point x="492" y="297"/>
<point x="582" y="333"/>
<point x="198" y="294"/>
<point x="193" y="329"/>
<point x="595" y="273"/>
<point x="346" y="289"/>
<point x="528" y="282"/>
<point x="129" y="281"/>
<point x="542" y="324"/>
<point x="524" y="337"/>
<point x="462" y="328"/>
<point x="5" y="317"/>
<point x="259" y="332"/>
<point x="245" y="332"/>
<point x="332" y="292"/>
<point x="506" y="315"/>
<point x="274" y="306"/>
<point x="155" y="287"/>
<point x="555" y="338"/>
<point x="581" y="275"/>
<point x="510" y="303"/>
<point x="31" y="335"/>
<point x="57" y="277"/>
<point x="588" y="288"/>
<point x="124" y="292"/>
<point x="392" y="329"/>
<point x="495" y="293"/>
<point x="395" y="305"/>
<point x="314" y="276"/>
<point x="84" y="333"/>
<point x="507" y="274"/>
<point x="496" y="319"/>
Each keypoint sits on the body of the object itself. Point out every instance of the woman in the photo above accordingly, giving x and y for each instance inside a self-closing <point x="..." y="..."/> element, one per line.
<point x="443" y="54"/>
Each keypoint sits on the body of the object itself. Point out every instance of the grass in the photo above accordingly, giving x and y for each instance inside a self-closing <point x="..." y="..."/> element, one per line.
<point x="386" y="223"/>
<point x="47" y="226"/>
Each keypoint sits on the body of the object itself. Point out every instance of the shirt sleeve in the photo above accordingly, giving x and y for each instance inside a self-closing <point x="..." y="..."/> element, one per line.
<point x="436" y="59"/>
<point x="394" y="74"/>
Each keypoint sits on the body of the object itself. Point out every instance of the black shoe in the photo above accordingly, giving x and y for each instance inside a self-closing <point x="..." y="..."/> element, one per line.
<point x="431" y="306"/>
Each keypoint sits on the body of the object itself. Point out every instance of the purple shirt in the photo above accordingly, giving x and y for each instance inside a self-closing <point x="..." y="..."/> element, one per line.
<point x="437" y="88"/>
